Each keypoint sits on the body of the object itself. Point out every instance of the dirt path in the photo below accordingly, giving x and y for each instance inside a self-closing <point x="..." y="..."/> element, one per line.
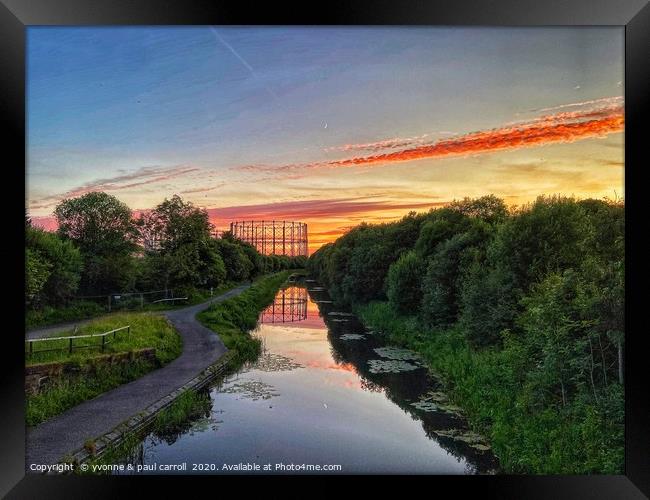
<point x="50" y="441"/>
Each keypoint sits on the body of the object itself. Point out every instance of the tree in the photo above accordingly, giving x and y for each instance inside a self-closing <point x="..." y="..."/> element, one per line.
<point x="102" y="228"/>
<point x="487" y="208"/>
<point x="445" y="270"/>
<point x="98" y="223"/>
<point x="53" y="268"/>
<point x="441" y="225"/>
<point x="173" y="223"/>
<point x="37" y="272"/>
<point x="403" y="283"/>
<point x="179" y="249"/>
<point x="238" y="265"/>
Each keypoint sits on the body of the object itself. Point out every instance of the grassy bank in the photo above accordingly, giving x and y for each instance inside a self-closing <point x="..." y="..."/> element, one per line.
<point x="235" y="317"/>
<point x="147" y="330"/>
<point x="169" y="423"/>
<point x="73" y="390"/>
<point x="82" y="310"/>
<point x="579" y="438"/>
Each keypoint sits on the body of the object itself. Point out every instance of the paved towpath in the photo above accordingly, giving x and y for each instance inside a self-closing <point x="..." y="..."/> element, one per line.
<point x="51" y="440"/>
<point x="49" y="331"/>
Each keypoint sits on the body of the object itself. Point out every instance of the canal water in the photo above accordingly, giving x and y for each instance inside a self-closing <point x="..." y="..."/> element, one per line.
<point x="326" y="392"/>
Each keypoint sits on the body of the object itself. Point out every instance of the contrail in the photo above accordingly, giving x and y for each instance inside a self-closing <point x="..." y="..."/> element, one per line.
<point x="241" y="60"/>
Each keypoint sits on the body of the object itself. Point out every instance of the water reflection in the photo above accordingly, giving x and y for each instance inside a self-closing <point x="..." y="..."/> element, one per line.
<point x="289" y="305"/>
<point x="327" y="390"/>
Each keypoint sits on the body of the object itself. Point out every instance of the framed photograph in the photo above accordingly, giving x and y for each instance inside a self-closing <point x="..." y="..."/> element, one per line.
<point x="379" y="239"/>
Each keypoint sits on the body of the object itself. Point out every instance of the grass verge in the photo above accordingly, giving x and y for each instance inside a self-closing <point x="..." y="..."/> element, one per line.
<point x="82" y="310"/>
<point x="72" y="390"/>
<point x="235" y="317"/>
<point x="147" y="330"/>
<point x="576" y="439"/>
<point x="92" y="379"/>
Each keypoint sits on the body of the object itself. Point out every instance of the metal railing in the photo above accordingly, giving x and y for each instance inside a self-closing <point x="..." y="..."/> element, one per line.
<point x="166" y="300"/>
<point x="69" y="346"/>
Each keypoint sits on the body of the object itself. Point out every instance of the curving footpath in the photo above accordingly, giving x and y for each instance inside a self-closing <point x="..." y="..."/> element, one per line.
<point x="49" y="331"/>
<point x="49" y="441"/>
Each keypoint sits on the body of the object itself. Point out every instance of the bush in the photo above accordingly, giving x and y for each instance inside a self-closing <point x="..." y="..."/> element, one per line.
<point x="53" y="268"/>
<point x="403" y="282"/>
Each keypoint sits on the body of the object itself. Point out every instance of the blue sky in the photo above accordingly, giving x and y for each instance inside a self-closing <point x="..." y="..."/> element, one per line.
<point x="149" y="112"/>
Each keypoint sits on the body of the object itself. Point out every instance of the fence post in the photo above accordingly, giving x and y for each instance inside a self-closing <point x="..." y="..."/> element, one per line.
<point x="128" y="331"/>
<point x="31" y="348"/>
<point x="141" y="301"/>
<point x="103" y="342"/>
<point x="70" y="345"/>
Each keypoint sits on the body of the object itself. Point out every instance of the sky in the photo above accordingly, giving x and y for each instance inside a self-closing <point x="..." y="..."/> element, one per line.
<point x="325" y="125"/>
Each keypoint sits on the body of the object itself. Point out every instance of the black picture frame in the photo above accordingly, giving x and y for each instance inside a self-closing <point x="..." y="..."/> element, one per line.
<point x="16" y="15"/>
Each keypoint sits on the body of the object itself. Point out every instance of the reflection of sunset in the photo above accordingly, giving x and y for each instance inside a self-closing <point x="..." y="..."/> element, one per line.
<point x="317" y="363"/>
<point x="288" y="306"/>
<point x="293" y="305"/>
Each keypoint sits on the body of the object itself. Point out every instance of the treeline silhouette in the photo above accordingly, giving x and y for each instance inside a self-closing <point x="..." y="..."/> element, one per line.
<point x="100" y="247"/>
<point x="520" y="310"/>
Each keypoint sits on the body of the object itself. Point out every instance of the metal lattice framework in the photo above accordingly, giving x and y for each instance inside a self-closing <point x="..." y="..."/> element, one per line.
<point x="289" y="305"/>
<point x="273" y="237"/>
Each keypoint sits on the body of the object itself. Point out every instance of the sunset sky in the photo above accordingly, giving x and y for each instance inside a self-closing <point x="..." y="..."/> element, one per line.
<point x="328" y="126"/>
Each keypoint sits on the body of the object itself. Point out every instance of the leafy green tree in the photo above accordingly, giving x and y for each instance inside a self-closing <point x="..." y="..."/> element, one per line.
<point x="550" y="235"/>
<point x="445" y="272"/>
<point x="403" y="283"/>
<point x="37" y="272"/>
<point x="238" y="266"/>
<point x="98" y="223"/>
<point x="53" y="268"/>
<point x="488" y="208"/>
<point x="441" y="225"/>
<point x="102" y="228"/>
<point x="179" y="250"/>
<point x="174" y="223"/>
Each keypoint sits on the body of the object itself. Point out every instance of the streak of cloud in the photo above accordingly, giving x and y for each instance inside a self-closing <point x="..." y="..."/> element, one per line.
<point x="203" y="189"/>
<point x="396" y="142"/>
<point x="563" y="127"/>
<point x="617" y="100"/>
<point x="549" y="130"/>
<point x="142" y="176"/>
<point x="242" y="60"/>
<point x="310" y="209"/>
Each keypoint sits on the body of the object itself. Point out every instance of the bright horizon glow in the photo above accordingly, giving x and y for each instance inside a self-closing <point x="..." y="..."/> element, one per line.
<point x="328" y="126"/>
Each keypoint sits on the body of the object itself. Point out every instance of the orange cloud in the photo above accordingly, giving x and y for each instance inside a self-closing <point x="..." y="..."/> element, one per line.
<point x="599" y="118"/>
<point x="309" y="209"/>
<point x="550" y="129"/>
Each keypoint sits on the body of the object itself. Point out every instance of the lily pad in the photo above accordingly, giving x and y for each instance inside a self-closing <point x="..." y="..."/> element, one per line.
<point x="471" y="438"/>
<point x="438" y="397"/>
<point x="352" y="336"/>
<point x="252" y="389"/>
<point x="270" y="362"/>
<point x="397" y="353"/>
<point x="390" y="366"/>
<point x="425" y="406"/>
